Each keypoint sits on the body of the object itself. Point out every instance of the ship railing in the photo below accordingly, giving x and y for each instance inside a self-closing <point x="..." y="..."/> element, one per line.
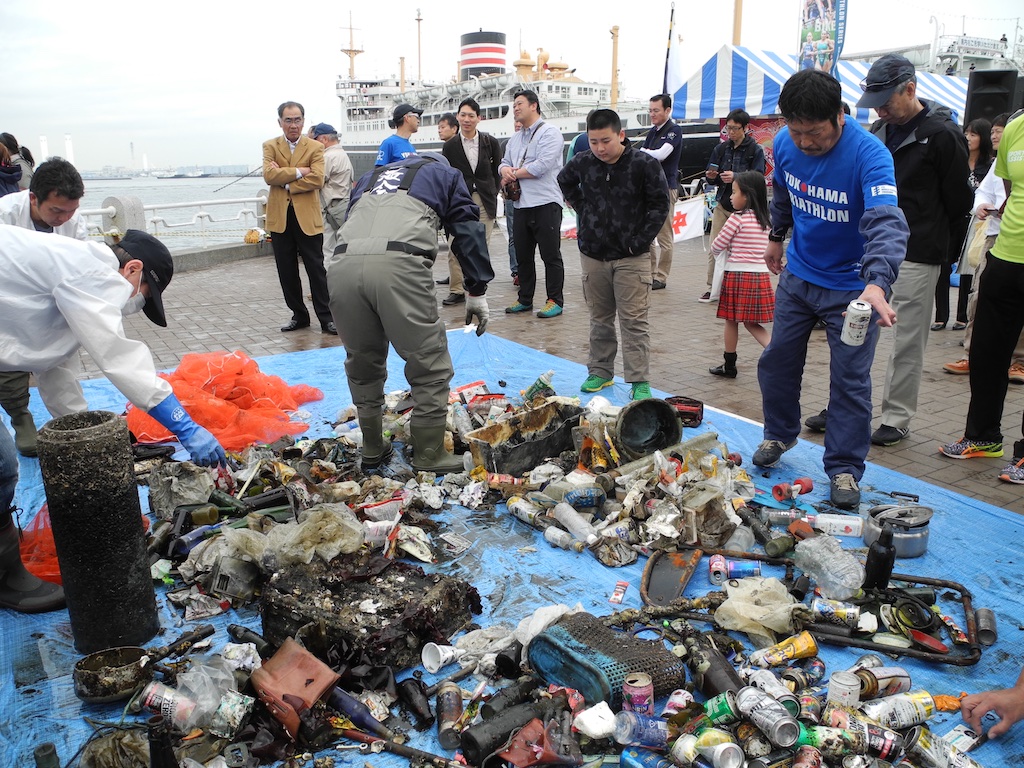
<point x="207" y="223"/>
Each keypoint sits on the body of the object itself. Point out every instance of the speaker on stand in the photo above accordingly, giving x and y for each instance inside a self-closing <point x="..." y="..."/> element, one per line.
<point x="991" y="92"/>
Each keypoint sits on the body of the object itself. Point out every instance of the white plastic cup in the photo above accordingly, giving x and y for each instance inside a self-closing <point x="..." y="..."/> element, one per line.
<point x="436" y="657"/>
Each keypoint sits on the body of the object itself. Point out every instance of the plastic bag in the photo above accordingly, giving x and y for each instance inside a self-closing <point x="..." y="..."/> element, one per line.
<point x="228" y="394"/>
<point x="206" y="684"/>
<point x="760" y="607"/>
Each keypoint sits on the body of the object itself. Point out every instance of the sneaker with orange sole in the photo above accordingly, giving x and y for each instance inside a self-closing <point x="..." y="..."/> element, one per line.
<point x="960" y="368"/>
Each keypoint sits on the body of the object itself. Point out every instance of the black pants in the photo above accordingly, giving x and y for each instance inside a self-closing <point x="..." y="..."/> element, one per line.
<point x="998" y="321"/>
<point x="533" y="228"/>
<point x="942" y="294"/>
<point x="289" y="247"/>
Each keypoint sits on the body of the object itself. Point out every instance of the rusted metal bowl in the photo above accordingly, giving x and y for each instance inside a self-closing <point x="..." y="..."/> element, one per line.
<point x="111" y="675"/>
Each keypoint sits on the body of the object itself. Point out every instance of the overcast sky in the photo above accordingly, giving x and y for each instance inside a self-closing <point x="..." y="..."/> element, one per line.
<point x="198" y="83"/>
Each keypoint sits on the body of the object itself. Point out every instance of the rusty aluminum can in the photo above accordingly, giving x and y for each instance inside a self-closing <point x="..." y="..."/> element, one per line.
<point x="718" y="569"/>
<point x="807" y="757"/>
<point x="834" y="743"/>
<point x="677" y="701"/>
<point x="779" y="758"/>
<point x="638" y="694"/>
<point x="844" y="689"/>
<point x="721" y="708"/>
<point x="810" y="709"/>
<point x="448" y="707"/>
<point x="176" y="707"/>
<point x="930" y="751"/>
<point x="855" y="324"/>
<point x="753" y="742"/>
<point x="835" y="612"/>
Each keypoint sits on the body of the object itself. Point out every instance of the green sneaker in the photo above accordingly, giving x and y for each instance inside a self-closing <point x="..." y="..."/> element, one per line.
<point x="595" y="383"/>
<point x="971" y="449"/>
<point x="641" y="391"/>
<point x="550" y="310"/>
<point x="516" y="308"/>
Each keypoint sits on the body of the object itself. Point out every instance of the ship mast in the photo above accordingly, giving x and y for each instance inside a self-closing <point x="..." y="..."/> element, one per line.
<point x="351" y="51"/>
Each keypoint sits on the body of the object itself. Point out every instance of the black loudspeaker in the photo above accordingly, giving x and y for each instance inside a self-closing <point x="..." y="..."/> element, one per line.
<point x="991" y="92"/>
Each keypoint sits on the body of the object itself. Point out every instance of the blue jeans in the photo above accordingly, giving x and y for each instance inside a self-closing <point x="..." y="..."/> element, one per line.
<point x="510" y="211"/>
<point x="798" y="305"/>
<point x="8" y="469"/>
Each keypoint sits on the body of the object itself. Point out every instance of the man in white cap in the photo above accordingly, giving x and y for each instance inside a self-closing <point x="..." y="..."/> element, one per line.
<point x="58" y="296"/>
<point x="406" y="121"/>
<point x="338" y="178"/>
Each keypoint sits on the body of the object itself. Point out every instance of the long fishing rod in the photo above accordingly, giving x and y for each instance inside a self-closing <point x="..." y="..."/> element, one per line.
<point x="250" y="173"/>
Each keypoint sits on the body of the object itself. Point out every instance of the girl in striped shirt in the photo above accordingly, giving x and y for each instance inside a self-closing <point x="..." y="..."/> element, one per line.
<point x="747" y="296"/>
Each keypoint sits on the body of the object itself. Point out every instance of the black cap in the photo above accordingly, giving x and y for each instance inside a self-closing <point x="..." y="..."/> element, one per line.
<point x="400" y="112"/>
<point x="883" y="78"/>
<point x="157" y="269"/>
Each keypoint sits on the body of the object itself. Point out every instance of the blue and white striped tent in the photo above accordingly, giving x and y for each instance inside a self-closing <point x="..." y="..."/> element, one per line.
<point x="745" y="78"/>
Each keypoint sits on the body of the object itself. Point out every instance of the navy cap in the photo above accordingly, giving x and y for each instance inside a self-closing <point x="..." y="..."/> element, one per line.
<point x="400" y="112"/>
<point x="157" y="269"/>
<point x="322" y="129"/>
<point x="885" y="75"/>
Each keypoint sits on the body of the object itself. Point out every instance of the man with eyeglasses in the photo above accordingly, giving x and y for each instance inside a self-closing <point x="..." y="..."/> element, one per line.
<point x="664" y="143"/>
<point x="293" y="166"/>
<point x="835" y="186"/>
<point x="406" y="121"/>
<point x="930" y="154"/>
<point x="739" y="152"/>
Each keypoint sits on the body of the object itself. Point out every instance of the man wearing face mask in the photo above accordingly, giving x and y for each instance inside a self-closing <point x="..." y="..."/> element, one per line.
<point x="50" y="204"/>
<point x="58" y="296"/>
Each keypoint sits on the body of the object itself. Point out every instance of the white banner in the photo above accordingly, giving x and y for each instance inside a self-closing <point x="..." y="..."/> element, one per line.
<point x="688" y="219"/>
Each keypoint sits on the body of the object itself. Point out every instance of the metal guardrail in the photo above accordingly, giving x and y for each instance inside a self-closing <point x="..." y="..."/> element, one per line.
<point x="203" y="226"/>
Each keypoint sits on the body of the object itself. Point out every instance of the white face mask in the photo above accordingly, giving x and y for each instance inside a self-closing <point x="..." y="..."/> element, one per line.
<point x="133" y="305"/>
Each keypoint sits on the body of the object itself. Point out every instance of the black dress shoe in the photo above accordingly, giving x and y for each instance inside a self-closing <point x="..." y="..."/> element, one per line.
<point x="453" y="298"/>
<point x="721" y="370"/>
<point x="443" y="282"/>
<point x="658" y="285"/>
<point x="294" y="325"/>
<point x="330" y="328"/>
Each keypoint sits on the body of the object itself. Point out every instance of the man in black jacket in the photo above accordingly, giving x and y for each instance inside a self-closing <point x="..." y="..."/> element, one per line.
<point x="476" y="155"/>
<point x="930" y="154"/>
<point x="621" y="200"/>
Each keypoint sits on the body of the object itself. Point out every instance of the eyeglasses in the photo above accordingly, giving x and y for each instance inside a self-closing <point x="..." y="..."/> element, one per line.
<point x="293" y="120"/>
<point x="733" y="128"/>
<point x="866" y="86"/>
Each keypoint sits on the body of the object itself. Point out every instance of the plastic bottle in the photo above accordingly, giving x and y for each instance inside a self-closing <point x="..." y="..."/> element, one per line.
<point x="632" y="729"/>
<point x="529" y="513"/>
<point x="461" y="421"/>
<point x="742" y="539"/>
<point x="574" y="522"/>
<point x="881" y="558"/>
<point x="838" y="574"/>
<point x="543" y="382"/>
<point x="161" y="753"/>
<point x="562" y="539"/>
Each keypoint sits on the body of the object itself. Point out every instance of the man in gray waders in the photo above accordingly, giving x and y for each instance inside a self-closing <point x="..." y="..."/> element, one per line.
<point x="58" y="296"/>
<point x="381" y="288"/>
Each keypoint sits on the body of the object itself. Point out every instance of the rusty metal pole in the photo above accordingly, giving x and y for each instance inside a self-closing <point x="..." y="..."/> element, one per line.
<point x="89" y="478"/>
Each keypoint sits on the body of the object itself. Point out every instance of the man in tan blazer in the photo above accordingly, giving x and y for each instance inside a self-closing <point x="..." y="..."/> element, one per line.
<point x="293" y="166"/>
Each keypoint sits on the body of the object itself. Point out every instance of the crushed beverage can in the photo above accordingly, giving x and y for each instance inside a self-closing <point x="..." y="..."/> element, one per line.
<point x="807" y="757"/>
<point x="677" y="700"/>
<point x="638" y="694"/>
<point x="810" y="709"/>
<point x="753" y="742"/>
<point x="779" y="758"/>
<point x="930" y="751"/>
<point x="855" y="324"/>
<point x="637" y="757"/>
<point x="901" y="710"/>
<point x="718" y="570"/>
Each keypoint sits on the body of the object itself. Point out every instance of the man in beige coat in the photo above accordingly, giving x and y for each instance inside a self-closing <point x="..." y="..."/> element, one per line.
<point x="293" y="166"/>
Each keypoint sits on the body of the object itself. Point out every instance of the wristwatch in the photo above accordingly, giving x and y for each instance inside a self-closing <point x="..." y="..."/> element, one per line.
<point x="777" y="237"/>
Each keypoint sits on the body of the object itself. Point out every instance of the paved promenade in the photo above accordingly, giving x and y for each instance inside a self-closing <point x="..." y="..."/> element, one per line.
<point x="239" y="306"/>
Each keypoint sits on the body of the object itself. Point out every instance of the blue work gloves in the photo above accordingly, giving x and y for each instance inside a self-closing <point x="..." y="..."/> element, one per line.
<point x="476" y="308"/>
<point x="201" y="445"/>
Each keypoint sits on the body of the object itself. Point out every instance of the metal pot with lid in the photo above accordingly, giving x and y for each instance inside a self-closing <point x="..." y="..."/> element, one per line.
<point x="909" y="524"/>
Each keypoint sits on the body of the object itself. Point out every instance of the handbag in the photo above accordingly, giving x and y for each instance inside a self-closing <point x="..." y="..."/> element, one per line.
<point x="512" y="190"/>
<point x="976" y="240"/>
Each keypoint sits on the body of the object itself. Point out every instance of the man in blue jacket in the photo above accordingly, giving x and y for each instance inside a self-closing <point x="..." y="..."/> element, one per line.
<point x="836" y="188"/>
<point x="621" y="201"/>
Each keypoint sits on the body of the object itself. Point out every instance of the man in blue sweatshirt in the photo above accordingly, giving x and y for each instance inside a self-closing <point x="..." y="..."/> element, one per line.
<point x="836" y="188"/>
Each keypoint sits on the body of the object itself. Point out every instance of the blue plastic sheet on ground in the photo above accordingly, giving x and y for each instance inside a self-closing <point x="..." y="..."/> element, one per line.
<point x="516" y="571"/>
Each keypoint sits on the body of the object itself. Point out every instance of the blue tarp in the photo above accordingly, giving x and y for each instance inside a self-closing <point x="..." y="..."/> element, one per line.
<point x="515" y="570"/>
<point x="745" y="78"/>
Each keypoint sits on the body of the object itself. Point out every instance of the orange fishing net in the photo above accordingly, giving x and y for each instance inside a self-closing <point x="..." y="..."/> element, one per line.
<point x="228" y="394"/>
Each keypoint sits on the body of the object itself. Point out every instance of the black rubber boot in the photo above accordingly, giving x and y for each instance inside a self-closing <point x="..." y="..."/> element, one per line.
<point x="429" y="453"/>
<point x="728" y="369"/>
<point x="19" y="589"/>
<point x="377" y="449"/>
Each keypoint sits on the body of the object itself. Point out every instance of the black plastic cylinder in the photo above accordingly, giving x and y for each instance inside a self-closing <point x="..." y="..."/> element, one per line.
<point x="89" y="479"/>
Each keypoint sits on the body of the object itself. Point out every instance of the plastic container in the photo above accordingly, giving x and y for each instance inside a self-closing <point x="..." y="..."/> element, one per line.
<point x="575" y="523"/>
<point x="742" y="539"/>
<point x="880" y="561"/>
<point x="562" y="539"/>
<point x="838" y="574"/>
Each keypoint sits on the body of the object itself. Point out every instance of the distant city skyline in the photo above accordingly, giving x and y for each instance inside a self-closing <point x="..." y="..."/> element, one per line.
<point x="198" y="83"/>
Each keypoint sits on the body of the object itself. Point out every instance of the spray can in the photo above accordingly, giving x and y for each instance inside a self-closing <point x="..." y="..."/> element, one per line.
<point x="902" y="710"/>
<point x="448" y="707"/>
<point x="799" y="646"/>
<point x="175" y="707"/>
<point x="835" y="612"/>
<point x="838" y="525"/>
<point x="741" y="569"/>
<point x="882" y="681"/>
<point x="855" y="324"/>
<point x="543" y="382"/>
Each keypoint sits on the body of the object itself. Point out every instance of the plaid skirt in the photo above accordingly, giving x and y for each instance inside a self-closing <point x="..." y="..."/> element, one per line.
<point x="747" y="297"/>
